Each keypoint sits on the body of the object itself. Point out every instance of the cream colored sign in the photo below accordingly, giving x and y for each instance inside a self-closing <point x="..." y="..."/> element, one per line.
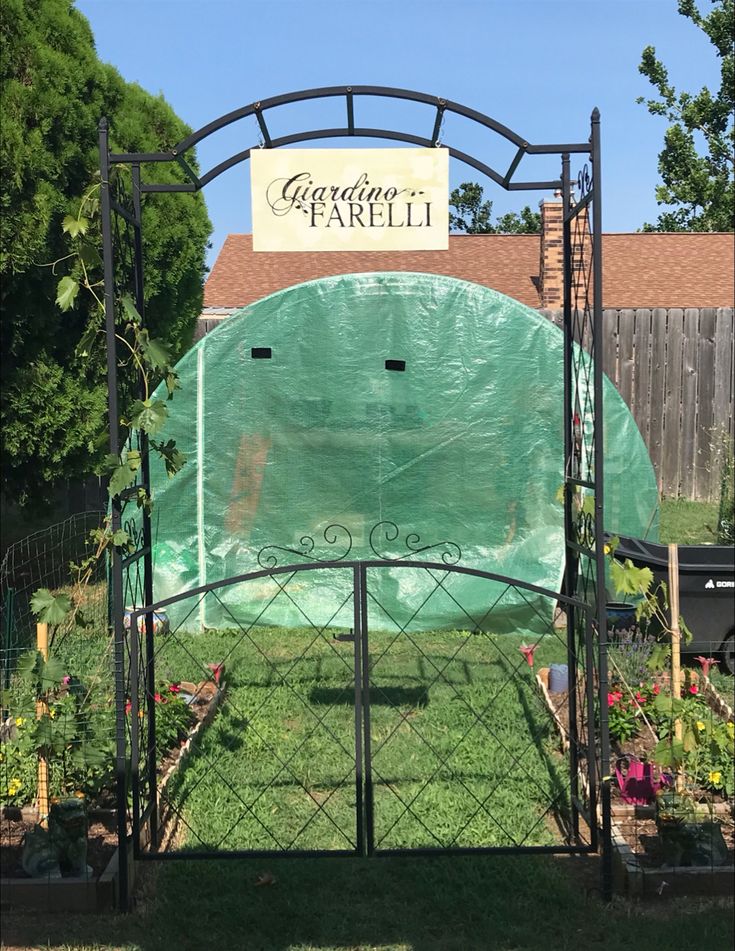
<point x="350" y="199"/>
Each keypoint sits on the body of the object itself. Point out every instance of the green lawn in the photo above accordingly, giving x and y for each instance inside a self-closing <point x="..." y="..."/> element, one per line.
<point x="688" y="523"/>
<point x="463" y="750"/>
<point x="276" y="767"/>
<point x="503" y="903"/>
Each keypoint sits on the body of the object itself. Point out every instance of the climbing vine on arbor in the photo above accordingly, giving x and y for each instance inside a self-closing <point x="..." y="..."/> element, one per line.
<point x="144" y="361"/>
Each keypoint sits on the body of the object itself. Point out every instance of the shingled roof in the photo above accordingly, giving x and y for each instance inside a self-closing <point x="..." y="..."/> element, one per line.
<point x="640" y="269"/>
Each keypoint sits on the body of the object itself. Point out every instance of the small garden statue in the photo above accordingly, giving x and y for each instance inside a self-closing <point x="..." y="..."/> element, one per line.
<point x="62" y="848"/>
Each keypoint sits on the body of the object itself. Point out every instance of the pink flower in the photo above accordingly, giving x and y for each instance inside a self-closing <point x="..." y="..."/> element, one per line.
<point x="614" y="697"/>
<point x="66" y="679"/>
<point x="174" y="688"/>
<point x="656" y="689"/>
<point x="694" y="689"/>
<point x="157" y="697"/>
<point x="706" y="663"/>
<point x="528" y="653"/>
<point x="639" y="697"/>
<point x="128" y="708"/>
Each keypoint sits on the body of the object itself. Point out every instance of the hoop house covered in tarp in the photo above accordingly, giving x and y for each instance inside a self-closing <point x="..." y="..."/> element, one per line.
<point x="380" y="414"/>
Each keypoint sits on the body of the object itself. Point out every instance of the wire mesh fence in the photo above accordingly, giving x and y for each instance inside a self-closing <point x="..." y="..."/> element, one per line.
<point x="56" y="695"/>
<point x="43" y="560"/>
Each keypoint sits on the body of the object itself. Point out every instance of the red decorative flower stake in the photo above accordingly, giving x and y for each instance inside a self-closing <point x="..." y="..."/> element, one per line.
<point x="528" y="653"/>
<point x="706" y="663"/>
<point x="217" y="670"/>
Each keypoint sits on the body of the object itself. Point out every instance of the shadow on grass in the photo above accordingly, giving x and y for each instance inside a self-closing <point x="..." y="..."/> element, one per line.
<point x="539" y="729"/>
<point x="505" y="903"/>
<point x="413" y="697"/>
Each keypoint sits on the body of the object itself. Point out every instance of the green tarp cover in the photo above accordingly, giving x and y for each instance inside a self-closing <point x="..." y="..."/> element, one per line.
<point x="464" y="445"/>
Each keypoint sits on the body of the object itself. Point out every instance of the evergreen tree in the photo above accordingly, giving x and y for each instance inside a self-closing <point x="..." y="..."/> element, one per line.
<point x="54" y="91"/>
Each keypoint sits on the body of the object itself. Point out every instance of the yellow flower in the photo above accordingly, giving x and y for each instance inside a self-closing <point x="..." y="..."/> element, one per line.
<point x="730" y="728"/>
<point x="700" y="725"/>
<point x="19" y="721"/>
<point x="715" y="777"/>
<point x="14" y="786"/>
<point x="607" y="549"/>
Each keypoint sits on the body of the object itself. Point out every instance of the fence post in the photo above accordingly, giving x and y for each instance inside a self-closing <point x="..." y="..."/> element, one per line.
<point x="8" y="640"/>
<point x="41" y="710"/>
<point x="675" y="645"/>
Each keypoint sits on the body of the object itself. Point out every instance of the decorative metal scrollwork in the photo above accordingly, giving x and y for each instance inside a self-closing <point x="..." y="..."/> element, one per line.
<point x="388" y="532"/>
<point x="337" y="535"/>
<point x="333" y="534"/>
<point x="584" y="529"/>
<point x="585" y="181"/>
<point x="134" y="529"/>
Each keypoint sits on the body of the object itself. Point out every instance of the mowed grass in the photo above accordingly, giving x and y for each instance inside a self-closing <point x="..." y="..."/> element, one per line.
<point x="463" y="752"/>
<point x="418" y="903"/>
<point x="688" y="523"/>
<point x="465" y="903"/>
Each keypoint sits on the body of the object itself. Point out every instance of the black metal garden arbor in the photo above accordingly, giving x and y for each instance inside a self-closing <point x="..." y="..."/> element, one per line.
<point x="582" y="596"/>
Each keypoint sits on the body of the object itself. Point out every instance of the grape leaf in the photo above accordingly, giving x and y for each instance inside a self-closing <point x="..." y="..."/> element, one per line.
<point x="50" y="608"/>
<point x="131" y="311"/>
<point x="123" y="475"/>
<point x="66" y="292"/>
<point x="121" y="537"/>
<point x="74" y="226"/>
<point x="148" y="415"/>
<point x="628" y="579"/>
<point x="172" y="382"/>
<point x="52" y="672"/>
<point x="156" y="353"/>
<point x="173" y="458"/>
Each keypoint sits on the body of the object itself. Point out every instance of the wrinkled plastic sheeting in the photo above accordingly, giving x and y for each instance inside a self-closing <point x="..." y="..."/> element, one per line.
<point x="462" y="448"/>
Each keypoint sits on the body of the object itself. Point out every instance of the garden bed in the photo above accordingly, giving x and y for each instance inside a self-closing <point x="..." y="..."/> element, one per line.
<point x="99" y="891"/>
<point x="636" y="841"/>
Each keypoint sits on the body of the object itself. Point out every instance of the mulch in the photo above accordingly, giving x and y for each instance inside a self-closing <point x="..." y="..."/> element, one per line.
<point x="102" y="835"/>
<point x="101" y="843"/>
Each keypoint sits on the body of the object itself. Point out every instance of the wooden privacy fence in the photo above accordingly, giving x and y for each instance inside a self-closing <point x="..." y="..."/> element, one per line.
<point x="674" y="368"/>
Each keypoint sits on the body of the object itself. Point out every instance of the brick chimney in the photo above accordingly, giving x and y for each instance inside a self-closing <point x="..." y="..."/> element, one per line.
<point x="551" y="265"/>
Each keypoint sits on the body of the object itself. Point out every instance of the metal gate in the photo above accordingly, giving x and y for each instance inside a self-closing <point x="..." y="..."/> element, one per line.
<point x="122" y="199"/>
<point x="358" y="732"/>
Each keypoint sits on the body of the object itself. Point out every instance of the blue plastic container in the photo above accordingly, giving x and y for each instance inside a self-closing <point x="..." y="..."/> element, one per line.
<point x="558" y="678"/>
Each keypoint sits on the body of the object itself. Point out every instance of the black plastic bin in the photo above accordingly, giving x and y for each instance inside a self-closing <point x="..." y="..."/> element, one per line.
<point x="706" y="591"/>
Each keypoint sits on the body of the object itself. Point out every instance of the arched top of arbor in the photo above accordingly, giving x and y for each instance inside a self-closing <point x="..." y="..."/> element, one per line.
<point x="504" y="178"/>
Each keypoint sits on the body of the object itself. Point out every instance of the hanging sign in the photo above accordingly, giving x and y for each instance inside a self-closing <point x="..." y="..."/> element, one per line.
<point x="350" y="199"/>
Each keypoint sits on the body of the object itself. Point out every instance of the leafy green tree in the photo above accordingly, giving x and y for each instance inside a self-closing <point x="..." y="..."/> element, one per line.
<point x="696" y="163"/>
<point x="472" y="215"/>
<point x="54" y="91"/>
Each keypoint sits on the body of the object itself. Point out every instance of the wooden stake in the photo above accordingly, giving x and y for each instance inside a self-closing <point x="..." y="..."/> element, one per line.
<point x="41" y="710"/>
<point x="675" y="645"/>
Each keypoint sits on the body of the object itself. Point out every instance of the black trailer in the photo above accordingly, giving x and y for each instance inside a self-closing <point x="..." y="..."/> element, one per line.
<point x="706" y="591"/>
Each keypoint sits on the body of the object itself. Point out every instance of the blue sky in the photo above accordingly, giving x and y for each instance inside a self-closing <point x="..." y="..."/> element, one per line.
<point x="538" y="66"/>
